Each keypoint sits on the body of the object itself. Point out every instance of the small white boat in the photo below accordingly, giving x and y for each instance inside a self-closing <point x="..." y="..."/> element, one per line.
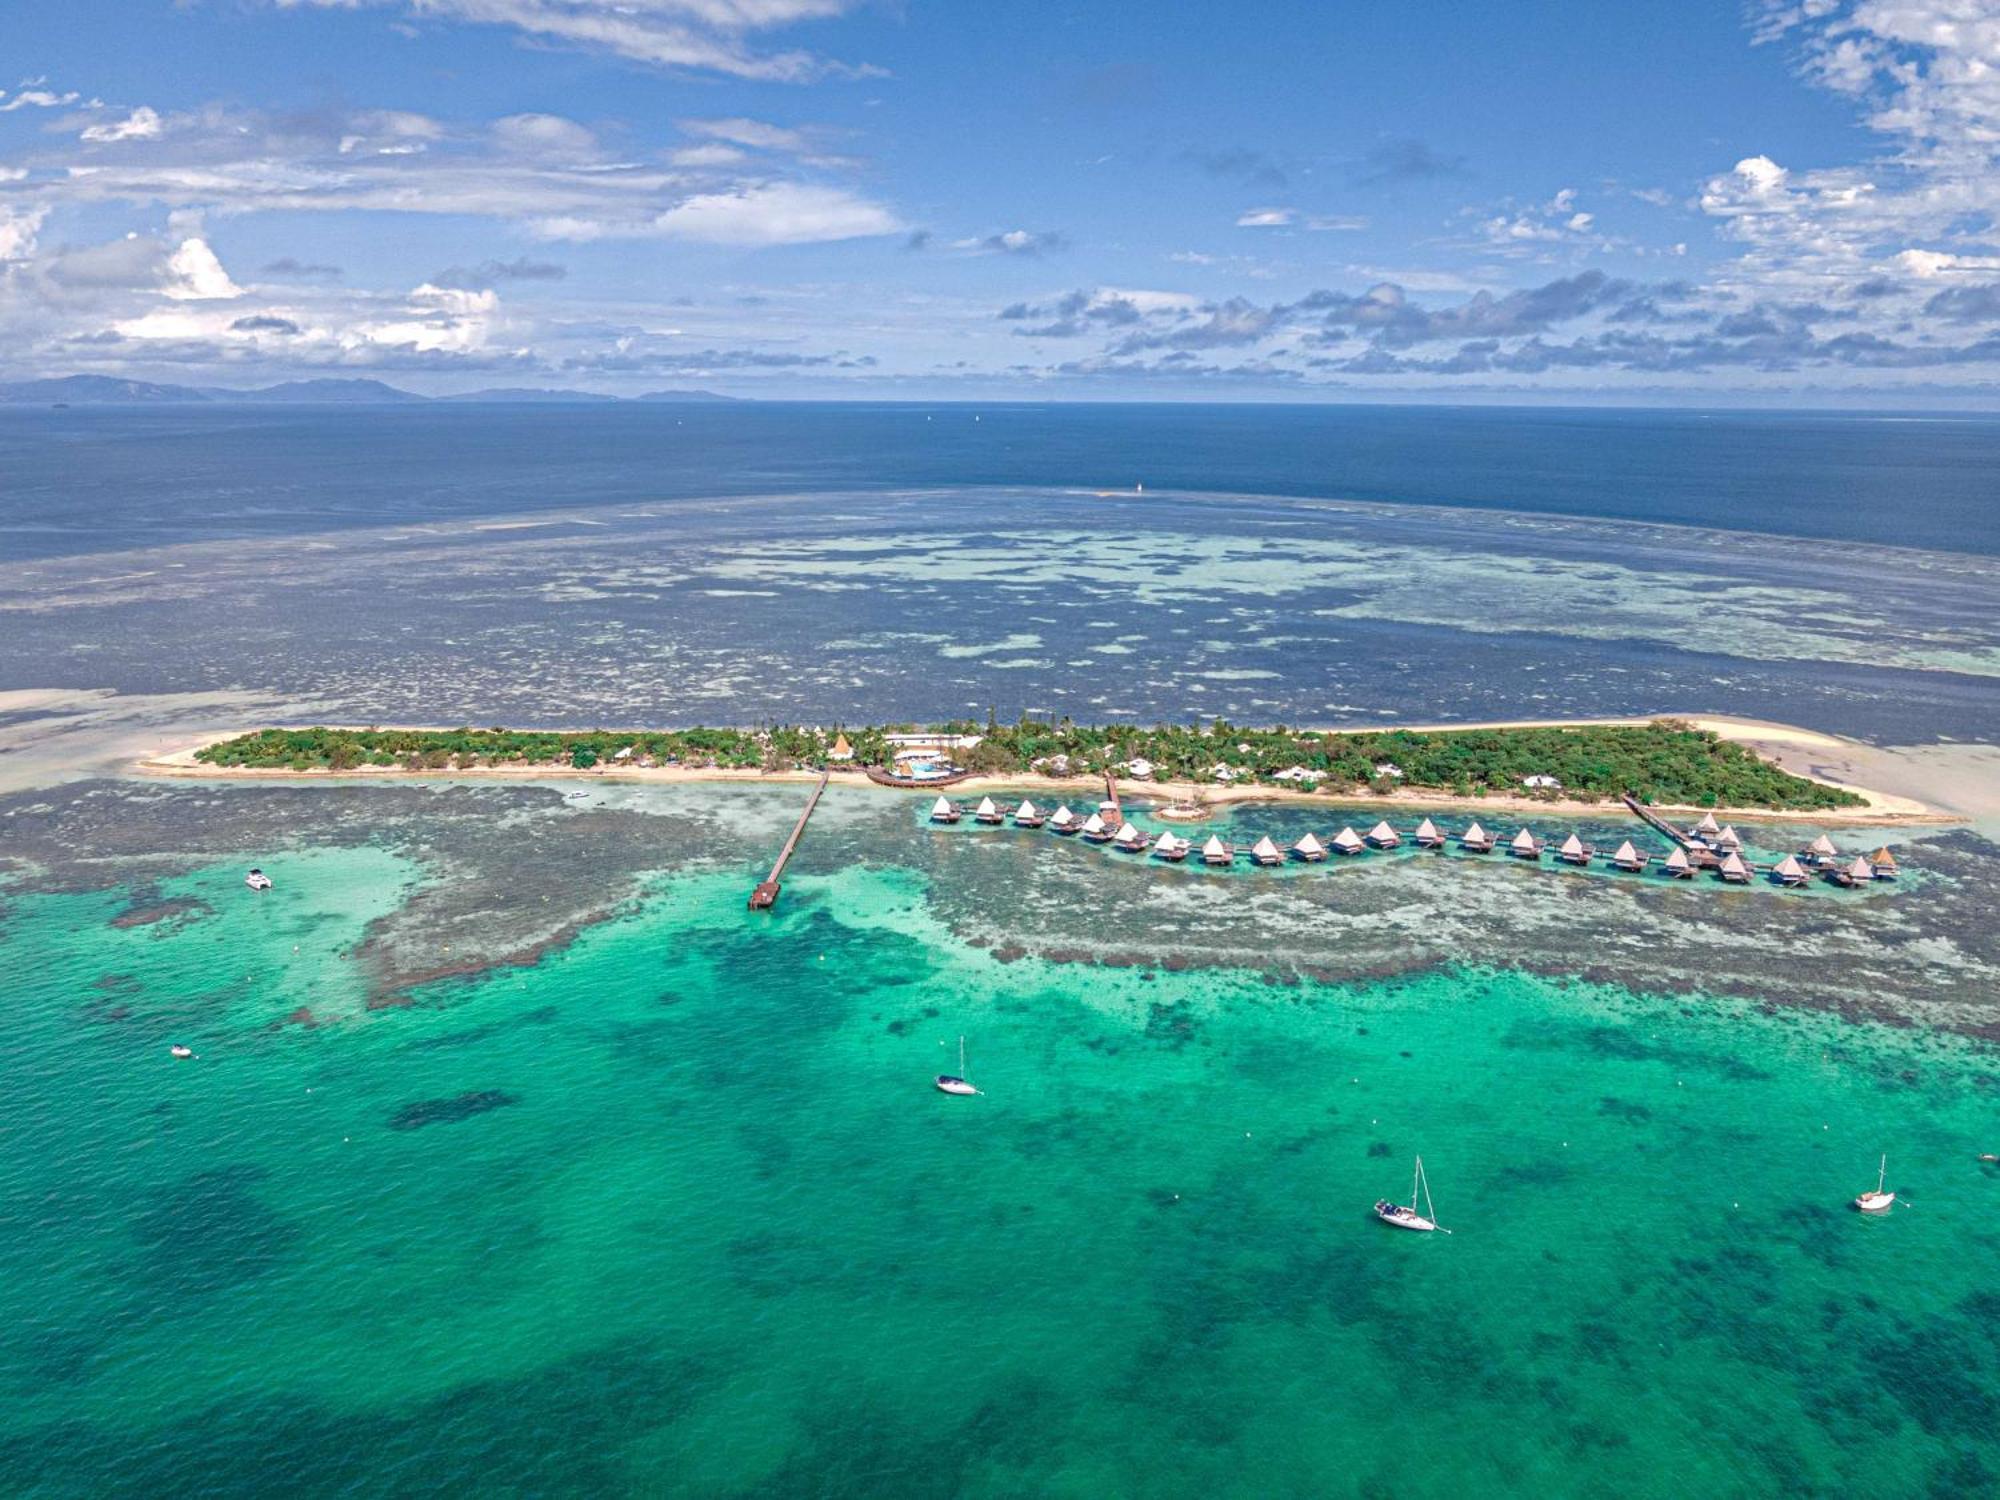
<point x="257" y="880"/>
<point x="1405" y="1216"/>
<point x="955" y="1083"/>
<point x="1877" y="1201"/>
<point x="180" y="1049"/>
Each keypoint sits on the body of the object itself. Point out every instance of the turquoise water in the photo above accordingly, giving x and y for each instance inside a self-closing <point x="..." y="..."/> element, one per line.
<point x="676" y="1210"/>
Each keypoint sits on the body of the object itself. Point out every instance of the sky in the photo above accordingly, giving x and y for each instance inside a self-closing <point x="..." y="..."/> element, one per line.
<point x="1665" y="200"/>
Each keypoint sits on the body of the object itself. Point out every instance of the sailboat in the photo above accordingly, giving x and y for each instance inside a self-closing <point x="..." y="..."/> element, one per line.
<point x="955" y="1083"/>
<point x="1877" y="1201"/>
<point x="1408" y="1217"/>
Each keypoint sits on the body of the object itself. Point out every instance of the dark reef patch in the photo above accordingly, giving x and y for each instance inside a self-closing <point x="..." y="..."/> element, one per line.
<point x="450" y="1111"/>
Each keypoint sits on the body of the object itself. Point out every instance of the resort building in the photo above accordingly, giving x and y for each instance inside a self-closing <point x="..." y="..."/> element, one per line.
<point x="1429" y="835"/>
<point x="1476" y="840"/>
<point x="842" y="750"/>
<point x="1679" y="865"/>
<point x="942" y="811"/>
<point x="1309" y="849"/>
<point x="1525" y="846"/>
<point x="1382" y="836"/>
<point x="1542" y="782"/>
<point x="1215" y="852"/>
<point x="1347" y="841"/>
<point x="1629" y="858"/>
<point x="1733" y="870"/>
<point x="1264" y="852"/>
<point x="1790" y="872"/>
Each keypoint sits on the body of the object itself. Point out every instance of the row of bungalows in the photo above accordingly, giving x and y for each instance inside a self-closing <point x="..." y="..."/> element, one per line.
<point x="1713" y="847"/>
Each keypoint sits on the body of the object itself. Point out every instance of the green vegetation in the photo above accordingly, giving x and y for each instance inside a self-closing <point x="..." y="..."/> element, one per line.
<point x="1661" y="762"/>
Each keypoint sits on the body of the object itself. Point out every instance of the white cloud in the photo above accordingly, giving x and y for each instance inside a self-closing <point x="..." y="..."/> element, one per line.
<point x="32" y="98"/>
<point x="143" y="124"/>
<point x="195" y="275"/>
<point x="18" y="228"/>
<point x="704" y="35"/>
<point x="551" y="134"/>
<point x="1264" y="218"/>
<point x="753" y="133"/>
<point x="776" y="213"/>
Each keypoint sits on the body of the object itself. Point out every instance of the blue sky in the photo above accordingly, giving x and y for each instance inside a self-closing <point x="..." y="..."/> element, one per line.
<point x="1081" y="201"/>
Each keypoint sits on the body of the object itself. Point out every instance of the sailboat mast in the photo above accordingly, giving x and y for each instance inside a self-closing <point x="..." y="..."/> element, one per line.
<point x="1882" y="1173"/>
<point x="1416" y="1182"/>
<point x="961" y="1058"/>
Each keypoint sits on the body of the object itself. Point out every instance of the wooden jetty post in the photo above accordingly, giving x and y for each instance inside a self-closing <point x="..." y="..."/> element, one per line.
<point x="765" y="896"/>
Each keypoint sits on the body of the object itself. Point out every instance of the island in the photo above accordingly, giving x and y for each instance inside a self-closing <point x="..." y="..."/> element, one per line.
<point x="1660" y="762"/>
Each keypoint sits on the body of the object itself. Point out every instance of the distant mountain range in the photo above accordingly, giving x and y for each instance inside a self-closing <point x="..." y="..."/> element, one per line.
<point x="108" y="390"/>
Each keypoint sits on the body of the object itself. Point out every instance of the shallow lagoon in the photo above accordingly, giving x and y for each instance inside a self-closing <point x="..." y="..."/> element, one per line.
<point x="674" y="1208"/>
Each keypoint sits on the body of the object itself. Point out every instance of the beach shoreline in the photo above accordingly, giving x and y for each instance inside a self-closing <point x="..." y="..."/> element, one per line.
<point x="1804" y="752"/>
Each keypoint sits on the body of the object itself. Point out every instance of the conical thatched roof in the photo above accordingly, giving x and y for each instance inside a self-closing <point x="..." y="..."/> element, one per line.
<point x="1861" y="869"/>
<point x="1347" y="838"/>
<point x="1729" y="837"/>
<point x="1382" y="830"/>
<point x="1062" y="815"/>
<point x="1476" y="833"/>
<point x="1264" y="848"/>
<point x="1790" y="868"/>
<point x="1427" y="829"/>
<point x="941" y="808"/>
<point x="1524" y="840"/>
<point x="1572" y="845"/>
<point x="1126" y="832"/>
<point x="1707" y="824"/>
<point x="1214" y="845"/>
<point x="1732" y="864"/>
<point x="1822" y="845"/>
<point x="1093" y="824"/>
<point x="1678" y="860"/>
<point x="1882" y="856"/>
<point x="1309" y="845"/>
<point x="1626" y="853"/>
<point x="1027" y="810"/>
<point x="986" y="808"/>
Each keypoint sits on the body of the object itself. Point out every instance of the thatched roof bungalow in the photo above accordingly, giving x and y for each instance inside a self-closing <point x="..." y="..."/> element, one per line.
<point x="1130" y="839"/>
<point x="1027" y="815"/>
<point x="1733" y="870"/>
<point x="1679" y="865"/>
<point x="1574" y="851"/>
<point x="1884" y="864"/>
<point x="1382" y="836"/>
<point x="1524" y="845"/>
<point x="1309" y="849"/>
<point x="1429" y="835"/>
<point x="1215" y="852"/>
<point x="1628" y="858"/>
<point x="1790" y="872"/>
<point x="942" y="811"/>
<point x="1476" y="840"/>
<point x="1264" y="852"/>
<point x="988" y="812"/>
<point x="1347" y="841"/>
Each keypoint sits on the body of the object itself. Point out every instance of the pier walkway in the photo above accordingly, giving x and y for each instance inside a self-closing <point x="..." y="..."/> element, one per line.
<point x="765" y="896"/>
<point x="1646" y="815"/>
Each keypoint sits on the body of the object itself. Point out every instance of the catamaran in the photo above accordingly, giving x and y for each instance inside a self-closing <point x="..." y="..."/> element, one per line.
<point x="257" y="880"/>
<point x="955" y="1083"/>
<point x="1877" y="1201"/>
<point x="1402" y="1217"/>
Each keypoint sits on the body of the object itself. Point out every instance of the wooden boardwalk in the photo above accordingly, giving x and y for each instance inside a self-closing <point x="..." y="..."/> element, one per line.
<point x="765" y="896"/>
<point x="1654" y="820"/>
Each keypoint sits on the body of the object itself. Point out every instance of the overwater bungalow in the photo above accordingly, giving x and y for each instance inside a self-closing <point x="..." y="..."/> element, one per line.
<point x="1476" y="840"/>
<point x="1679" y="866"/>
<point x="1130" y="839"/>
<point x="1524" y="845"/>
<point x="1429" y="835"/>
<point x="1789" y="871"/>
<point x="943" y="811"/>
<point x="1347" y="841"/>
<point x="1821" y="851"/>
<point x="1309" y="849"/>
<point x="1171" y="848"/>
<point x="1264" y="852"/>
<point x="1095" y="829"/>
<point x="1860" y="872"/>
<point x="1062" y="820"/>
<point x="1382" y="836"/>
<point x="1215" y="852"/>
<point x="1708" y="828"/>
<point x="1733" y="870"/>
<point x="1729" y="838"/>
<point x="1629" y="858"/>
<point x="988" y="813"/>
<point x="1574" y="851"/>
<point x="1027" y="815"/>
<point x="1883" y="863"/>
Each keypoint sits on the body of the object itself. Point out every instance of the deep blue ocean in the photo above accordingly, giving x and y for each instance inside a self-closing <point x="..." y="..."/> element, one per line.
<point x="98" y="479"/>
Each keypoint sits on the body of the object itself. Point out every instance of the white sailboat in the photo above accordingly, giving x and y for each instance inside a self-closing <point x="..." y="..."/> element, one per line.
<point x="1877" y="1201"/>
<point x="955" y="1083"/>
<point x="1406" y="1217"/>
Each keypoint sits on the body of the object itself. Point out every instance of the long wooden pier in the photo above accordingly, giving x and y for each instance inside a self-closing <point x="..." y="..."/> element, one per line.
<point x="765" y="896"/>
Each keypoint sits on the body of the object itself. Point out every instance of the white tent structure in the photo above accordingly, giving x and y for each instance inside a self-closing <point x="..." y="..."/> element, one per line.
<point x="1310" y="848"/>
<point x="943" y="812"/>
<point x="1429" y="835"/>
<point x="1347" y="841"/>
<point x="1525" y="846"/>
<point x="1264" y="852"/>
<point x="1382" y="836"/>
<point x="1215" y="852"/>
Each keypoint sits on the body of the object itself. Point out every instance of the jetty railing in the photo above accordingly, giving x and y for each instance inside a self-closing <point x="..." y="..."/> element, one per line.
<point x="765" y="896"/>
